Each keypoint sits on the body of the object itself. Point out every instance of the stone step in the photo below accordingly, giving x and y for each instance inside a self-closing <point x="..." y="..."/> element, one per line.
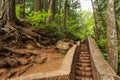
<point x="84" y="73"/>
<point x="84" y="64"/>
<point x="83" y="78"/>
<point x="84" y="55"/>
<point x="84" y="58"/>
<point x="84" y="61"/>
<point x="84" y="52"/>
<point x="84" y="68"/>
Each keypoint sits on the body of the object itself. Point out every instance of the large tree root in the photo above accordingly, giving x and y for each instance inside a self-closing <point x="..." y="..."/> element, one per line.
<point x="16" y="59"/>
<point x="32" y="35"/>
<point x="15" y="72"/>
<point x="18" y="34"/>
<point x="12" y="34"/>
<point x="22" y="51"/>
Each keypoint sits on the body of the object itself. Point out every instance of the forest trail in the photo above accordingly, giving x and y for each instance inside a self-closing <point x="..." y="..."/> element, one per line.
<point x="83" y="68"/>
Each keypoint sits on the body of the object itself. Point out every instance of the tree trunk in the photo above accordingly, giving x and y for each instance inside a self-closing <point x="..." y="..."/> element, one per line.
<point x="95" y="20"/>
<point x="7" y="12"/>
<point x="60" y="21"/>
<point x="111" y="36"/>
<point x="65" y="6"/>
<point x="22" y="9"/>
<point x="50" y="18"/>
<point x="59" y="6"/>
<point x="12" y="28"/>
<point x="37" y="5"/>
<point x="44" y="6"/>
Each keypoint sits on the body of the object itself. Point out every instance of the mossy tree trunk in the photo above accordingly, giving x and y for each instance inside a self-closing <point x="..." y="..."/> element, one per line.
<point x="44" y="6"/>
<point x="64" y="17"/>
<point x="37" y="5"/>
<point x="95" y="21"/>
<point x="51" y="18"/>
<point x="22" y="9"/>
<point x="7" y="12"/>
<point x="11" y="27"/>
<point x="111" y="36"/>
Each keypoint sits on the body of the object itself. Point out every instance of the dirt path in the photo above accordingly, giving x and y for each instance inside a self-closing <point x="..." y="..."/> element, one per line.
<point x="53" y="63"/>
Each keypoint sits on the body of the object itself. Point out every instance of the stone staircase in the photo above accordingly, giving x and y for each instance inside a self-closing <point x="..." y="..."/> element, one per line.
<point x="83" y="68"/>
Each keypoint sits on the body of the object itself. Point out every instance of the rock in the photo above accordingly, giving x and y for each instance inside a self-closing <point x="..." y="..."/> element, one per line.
<point x="3" y="71"/>
<point x="22" y="61"/>
<point x="40" y="59"/>
<point x="30" y="46"/>
<point x="62" y="45"/>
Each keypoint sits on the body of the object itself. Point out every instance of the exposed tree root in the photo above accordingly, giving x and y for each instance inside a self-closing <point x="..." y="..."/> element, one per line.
<point x="19" y="33"/>
<point x="15" y="72"/>
<point x="19" y="48"/>
<point x="32" y="35"/>
<point x="22" y="51"/>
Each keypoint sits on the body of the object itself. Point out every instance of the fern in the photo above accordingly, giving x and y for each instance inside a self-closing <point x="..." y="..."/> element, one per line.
<point x="38" y="19"/>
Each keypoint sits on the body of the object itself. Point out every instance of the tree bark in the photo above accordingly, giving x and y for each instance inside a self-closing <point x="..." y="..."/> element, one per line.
<point x="7" y="12"/>
<point x="95" y="21"/>
<point x="44" y="6"/>
<point x="111" y="36"/>
<point x="22" y="9"/>
<point x="37" y="5"/>
<point x="50" y="18"/>
<point x="65" y="8"/>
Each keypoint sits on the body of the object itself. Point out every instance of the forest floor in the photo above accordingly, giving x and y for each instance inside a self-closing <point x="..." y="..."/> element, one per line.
<point x="47" y="60"/>
<point x="24" y="50"/>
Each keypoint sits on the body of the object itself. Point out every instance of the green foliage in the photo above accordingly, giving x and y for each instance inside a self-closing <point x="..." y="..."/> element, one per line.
<point x="29" y="6"/>
<point x="102" y="43"/>
<point x="119" y="59"/>
<point x="105" y="55"/>
<point x="18" y="10"/>
<point x="73" y="28"/>
<point x="38" y="19"/>
<point x="87" y="24"/>
<point x="119" y="63"/>
<point x="80" y="26"/>
<point x="56" y="30"/>
<point x="55" y="27"/>
<point x="119" y="48"/>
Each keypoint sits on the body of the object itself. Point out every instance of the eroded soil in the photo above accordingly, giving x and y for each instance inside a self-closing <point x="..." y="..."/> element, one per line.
<point x="43" y="60"/>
